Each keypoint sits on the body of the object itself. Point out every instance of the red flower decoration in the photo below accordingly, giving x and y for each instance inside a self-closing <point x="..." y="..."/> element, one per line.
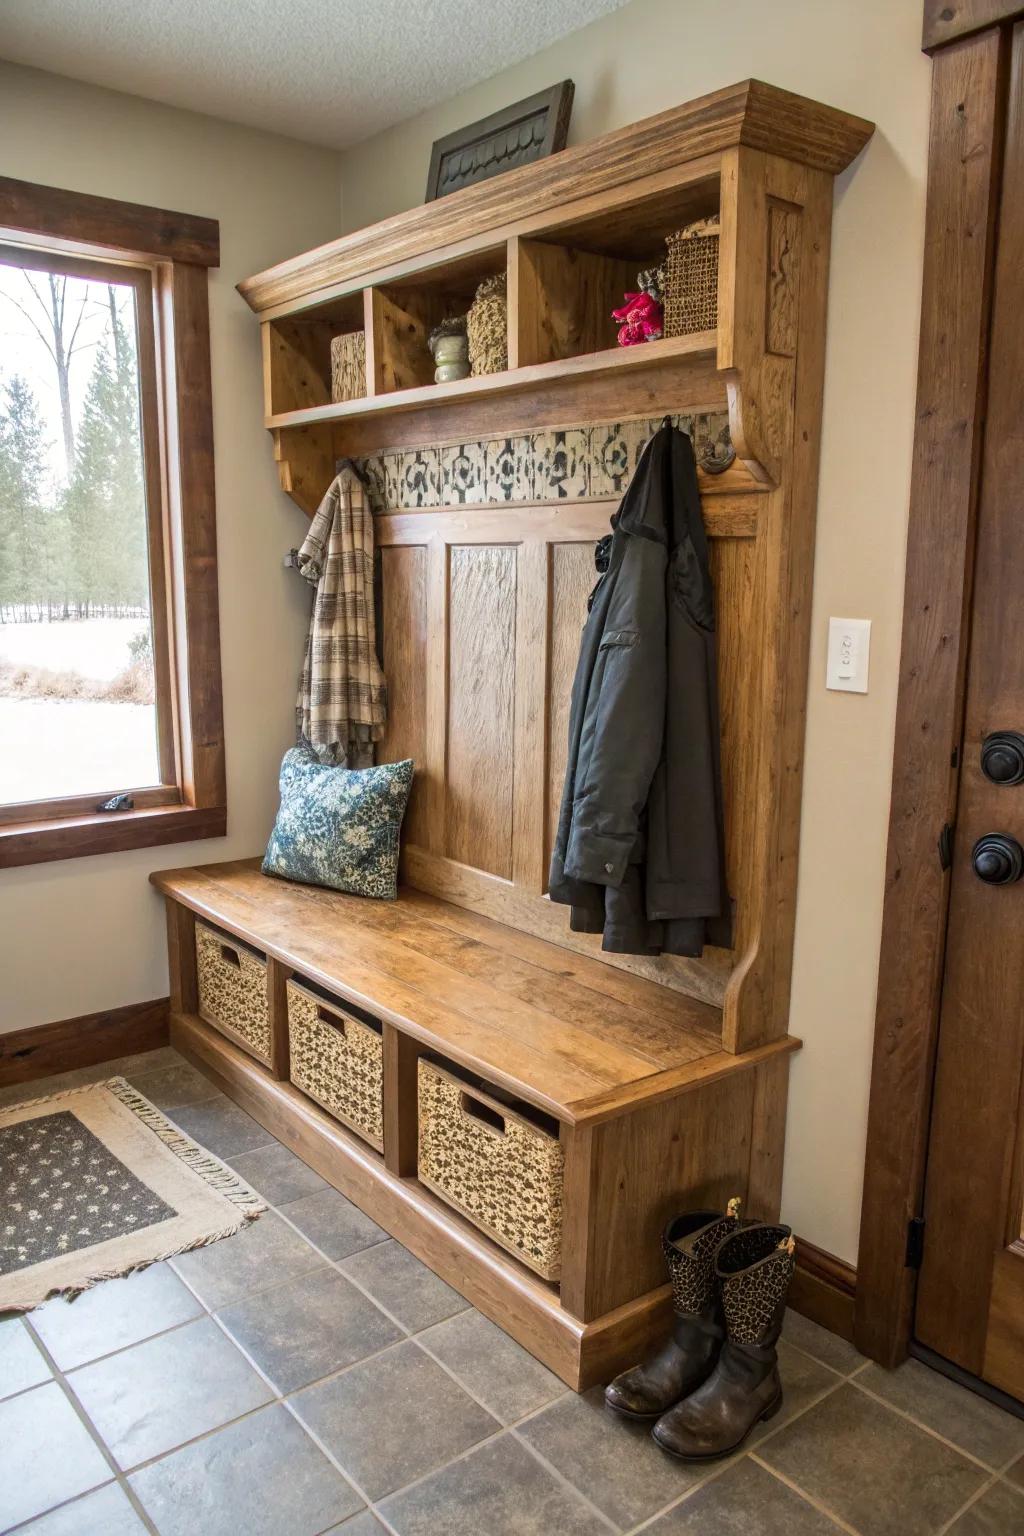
<point x="640" y="319"/>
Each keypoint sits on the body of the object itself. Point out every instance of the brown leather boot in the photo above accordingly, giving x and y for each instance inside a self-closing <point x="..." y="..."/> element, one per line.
<point x="689" y="1353"/>
<point x="754" y="1266"/>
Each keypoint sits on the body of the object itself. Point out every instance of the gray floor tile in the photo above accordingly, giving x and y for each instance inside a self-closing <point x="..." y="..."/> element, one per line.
<point x="308" y="1328"/>
<point x="21" y="1364"/>
<point x="999" y="1512"/>
<point x="744" y="1498"/>
<point x="60" y="1082"/>
<point x="497" y="1370"/>
<point x="172" y="1087"/>
<point x="262" y="1476"/>
<point x="334" y="1224"/>
<point x="49" y="1455"/>
<point x="871" y="1467"/>
<point x="615" y="1463"/>
<point x="277" y="1174"/>
<point x="221" y="1127"/>
<point x="264" y="1253"/>
<point x="365" y="1524"/>
<point x="1016" y="1473"/>
<point x="965" y="1418"/>
<point x="393" y="1418"/>
<point x="499" y="1489"/>
<point x="153" y="1397"/>
<point x="107" y="1512"/>
<point x="113" y="1315"/>
<point x="405" y="1287"/>
<point x="803" y="1379"/>
<point x="824" y="1346"/>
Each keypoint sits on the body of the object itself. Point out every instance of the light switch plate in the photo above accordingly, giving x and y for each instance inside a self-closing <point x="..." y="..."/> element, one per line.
<point x="849" y="646"/>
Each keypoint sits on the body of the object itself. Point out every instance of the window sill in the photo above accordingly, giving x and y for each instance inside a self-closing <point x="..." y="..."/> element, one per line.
<point x="76" y="837"/>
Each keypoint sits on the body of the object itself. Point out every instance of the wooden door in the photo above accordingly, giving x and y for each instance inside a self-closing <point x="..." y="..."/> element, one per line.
<point x="970" y="1301"/>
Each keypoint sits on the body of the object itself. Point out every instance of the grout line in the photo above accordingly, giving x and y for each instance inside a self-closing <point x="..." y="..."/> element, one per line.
<point x="561" y="1478"/>
<point x="934" y="1433"/>
<point x="121" y="1349"/>
<point x="746" y="1448"/>
<point x="119" y="1476"/>
<point x="978" y="1493"/>
<point x="815" y="1503"/>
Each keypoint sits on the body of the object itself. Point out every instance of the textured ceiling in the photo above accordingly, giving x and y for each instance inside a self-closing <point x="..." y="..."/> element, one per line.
<point x="328" y="71"/>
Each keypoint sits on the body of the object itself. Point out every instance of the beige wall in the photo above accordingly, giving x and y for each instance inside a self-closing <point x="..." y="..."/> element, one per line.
<point x="862" y="55"/>
<point x="88" y="934"/>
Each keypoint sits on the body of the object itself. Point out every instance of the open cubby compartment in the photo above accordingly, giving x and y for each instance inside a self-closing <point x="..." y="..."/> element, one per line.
<point x="565" y="280"/>
<point x="297" y="352"/>
<point x="406" y="310"/>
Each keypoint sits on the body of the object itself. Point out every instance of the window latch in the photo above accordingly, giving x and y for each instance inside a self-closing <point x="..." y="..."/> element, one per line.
<point x="117" y="803"/>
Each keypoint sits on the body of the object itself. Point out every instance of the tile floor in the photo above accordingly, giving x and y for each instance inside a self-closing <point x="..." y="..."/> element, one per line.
<point x="310" y="1376"/>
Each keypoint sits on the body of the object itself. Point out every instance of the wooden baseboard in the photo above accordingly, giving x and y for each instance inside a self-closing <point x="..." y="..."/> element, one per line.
<point x="27" y="1054"/>
<point x="823" y="1289"/>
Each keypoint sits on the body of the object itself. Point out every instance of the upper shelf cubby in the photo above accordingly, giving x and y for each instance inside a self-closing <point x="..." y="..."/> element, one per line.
<point x="571" y="234"/>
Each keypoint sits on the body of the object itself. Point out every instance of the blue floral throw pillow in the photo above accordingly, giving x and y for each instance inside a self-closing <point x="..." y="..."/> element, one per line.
<point x="339" y="826"/>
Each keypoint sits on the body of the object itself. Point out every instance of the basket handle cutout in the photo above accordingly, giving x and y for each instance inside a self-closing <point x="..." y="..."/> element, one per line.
<point x="475" y="1110"/>
<point x="230" y="955"/>
<point x="333" y="1019"/>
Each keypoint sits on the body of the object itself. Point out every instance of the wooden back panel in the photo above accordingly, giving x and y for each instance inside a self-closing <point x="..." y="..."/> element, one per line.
<point x="482" y="616"/>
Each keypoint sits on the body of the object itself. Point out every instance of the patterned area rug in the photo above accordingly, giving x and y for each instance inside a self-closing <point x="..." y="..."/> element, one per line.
<point x="96" y="1182"/>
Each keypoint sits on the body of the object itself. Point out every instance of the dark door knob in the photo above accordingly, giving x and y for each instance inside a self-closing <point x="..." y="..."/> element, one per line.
<point x="997" y="859"/>
<point x="1002" y="757"/>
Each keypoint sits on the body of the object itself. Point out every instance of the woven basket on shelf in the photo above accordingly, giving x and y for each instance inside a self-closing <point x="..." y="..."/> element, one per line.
<point x="233" y="990"/>
<point x="493" y="1164"/>
<point x="691" y="279"/>
<point x="487" y="326"/>
<point x="338" y="1060"/>
<point x="348" y="366"/>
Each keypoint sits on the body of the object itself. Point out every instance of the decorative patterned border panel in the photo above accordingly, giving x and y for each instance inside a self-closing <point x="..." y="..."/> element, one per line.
<point x="572" y="464"/>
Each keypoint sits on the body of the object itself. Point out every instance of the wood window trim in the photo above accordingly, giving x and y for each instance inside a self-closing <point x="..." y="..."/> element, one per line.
<point x="968" y="104"/>
<point x="169" y="254"/>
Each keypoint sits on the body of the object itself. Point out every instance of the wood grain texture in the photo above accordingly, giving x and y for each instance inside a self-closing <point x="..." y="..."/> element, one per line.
<point x="694" y="1148"/>
<point x="521" y="1012"/>
<point x="573" y="576"/>
<point x="973" y="1189"/>
<point x="64" y="1046"/>
<point x="79" y="221"/>
<point x="277" y="1008"/>
<point x="964" y="152"/>
<point x="183" y="977"/>
<point x="404" y="644"/>
<point x="751" y="113"/>
<point x="823" y="1288"/>
<point x="401" y="1106"/>
<point x="481" y="705"/>
<point x="78" y="837"/>
<point x="564" y="300"/>
<point x="947" y="20"/>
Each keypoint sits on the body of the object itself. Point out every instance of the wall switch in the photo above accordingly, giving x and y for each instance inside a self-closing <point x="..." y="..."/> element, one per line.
<point x="849" y="644"/>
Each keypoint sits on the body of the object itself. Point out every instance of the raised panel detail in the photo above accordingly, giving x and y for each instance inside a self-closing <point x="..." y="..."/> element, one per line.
<point x="782" y="308"/>
<point x="404" y="582"/>
<point x="572" y="578"/>
<point x="481" y="706"/>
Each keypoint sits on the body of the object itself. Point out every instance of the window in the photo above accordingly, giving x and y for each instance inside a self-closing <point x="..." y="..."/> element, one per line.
<point x="110" y="715"/>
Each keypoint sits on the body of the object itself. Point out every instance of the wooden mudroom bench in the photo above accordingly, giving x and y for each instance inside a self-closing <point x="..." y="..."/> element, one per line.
<point x="628" y="1086"/>
<point x="646" y="1100"/>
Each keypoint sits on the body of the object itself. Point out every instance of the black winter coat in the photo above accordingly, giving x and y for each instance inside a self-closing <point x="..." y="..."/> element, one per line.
<point x="638" y="853"/>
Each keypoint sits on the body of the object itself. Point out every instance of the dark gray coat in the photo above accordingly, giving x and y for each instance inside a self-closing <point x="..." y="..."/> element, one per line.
<point x="639" y="850"/>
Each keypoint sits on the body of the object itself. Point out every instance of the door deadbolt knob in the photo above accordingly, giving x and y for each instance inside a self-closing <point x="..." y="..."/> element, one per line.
<point x="1002" y="757"/>
<point x="997" y="859"/>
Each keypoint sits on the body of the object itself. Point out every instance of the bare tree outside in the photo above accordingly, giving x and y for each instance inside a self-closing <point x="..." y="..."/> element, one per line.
<point x="77" y="702"/>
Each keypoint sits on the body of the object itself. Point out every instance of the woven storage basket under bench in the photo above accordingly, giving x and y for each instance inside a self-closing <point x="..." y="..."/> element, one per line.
<point x="232" y="980"/>
<point x="499" y="1165"/>
<point x="336" y="1055"/>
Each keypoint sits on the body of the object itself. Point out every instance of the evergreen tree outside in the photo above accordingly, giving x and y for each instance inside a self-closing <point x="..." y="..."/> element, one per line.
<point x="22" y="475"/>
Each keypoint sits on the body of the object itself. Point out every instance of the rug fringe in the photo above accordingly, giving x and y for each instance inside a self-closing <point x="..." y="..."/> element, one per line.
<point x="71" y="1292"/>
<point x="209" y="1168"/>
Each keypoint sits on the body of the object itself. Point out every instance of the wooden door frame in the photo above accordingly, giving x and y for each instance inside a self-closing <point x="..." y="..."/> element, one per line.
<point x="969" y="41"/>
